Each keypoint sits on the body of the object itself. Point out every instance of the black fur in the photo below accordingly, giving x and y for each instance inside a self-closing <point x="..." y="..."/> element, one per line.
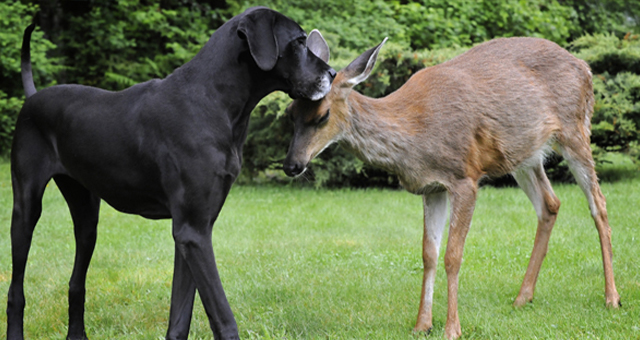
<point x="166" y="148"/>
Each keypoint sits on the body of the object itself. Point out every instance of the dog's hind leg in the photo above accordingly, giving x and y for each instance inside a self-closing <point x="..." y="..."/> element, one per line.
<point x="84" y="207"/>
<point x="30" y="175"/>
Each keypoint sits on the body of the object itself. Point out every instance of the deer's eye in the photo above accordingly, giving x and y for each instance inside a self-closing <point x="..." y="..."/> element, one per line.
<point x="324" y="118"/>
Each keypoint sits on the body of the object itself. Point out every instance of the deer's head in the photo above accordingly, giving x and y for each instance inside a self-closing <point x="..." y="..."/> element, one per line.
<point x="318" y="124"/>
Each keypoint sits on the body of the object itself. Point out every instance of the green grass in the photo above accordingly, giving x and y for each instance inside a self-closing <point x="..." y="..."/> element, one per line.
<point x="339" y="264"/>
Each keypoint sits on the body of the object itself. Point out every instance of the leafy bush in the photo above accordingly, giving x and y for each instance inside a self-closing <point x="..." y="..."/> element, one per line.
<point x="115" y="44"/>
<point x="615" y="124"/>
<point x="608" y="53"/>
<point x="348" y="26"/>
<point x="445" y="23"/>
<point x="268" y="137"/>
<point x="14" y="18"/>
<point x="357" y="24"/>
<point x="9" y="109"/>
<point x="118" y="44"/>
<point x="270" y="131"/>
<point x="616" y="83"/>
<point x="616" y="120"/>
<point x="618" y="17"/>
<point x="433" y="24"/>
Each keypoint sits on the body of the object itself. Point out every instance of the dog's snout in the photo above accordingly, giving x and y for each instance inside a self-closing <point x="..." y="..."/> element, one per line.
<point x="293" y="169"/>
<point x="332" y="73"/>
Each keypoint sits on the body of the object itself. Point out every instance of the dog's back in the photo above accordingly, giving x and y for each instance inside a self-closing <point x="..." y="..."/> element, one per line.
<point x="165" y="148"/>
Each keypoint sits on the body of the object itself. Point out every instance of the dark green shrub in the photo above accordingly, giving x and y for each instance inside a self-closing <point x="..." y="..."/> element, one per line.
<point x="268" y="138"/>
<point x="445" y="23"/>
<point x="270" y="131"/>
<point x="606" y="16"/>
<point x="608" y="53"/>
<point x="15" y="17"/>
<point x="614" y="126"/>
<point x="118" y="44"/>
<point x="616" y="120"/>
<point x="348" y="26"/>
<point x="615" y="63"/>
<point x="113" y="46"/>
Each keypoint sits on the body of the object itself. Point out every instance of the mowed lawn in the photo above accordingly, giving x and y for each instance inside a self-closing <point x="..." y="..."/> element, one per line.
<point x="339" y="264"/>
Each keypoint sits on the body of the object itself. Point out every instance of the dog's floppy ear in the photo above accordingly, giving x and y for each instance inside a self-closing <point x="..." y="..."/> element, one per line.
<point x="257" y="27"/>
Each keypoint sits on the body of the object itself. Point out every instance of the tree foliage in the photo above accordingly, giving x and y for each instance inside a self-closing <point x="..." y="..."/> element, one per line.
<point x="14" y="17"/>
<point x="606" y="16"/>
<point x="616" y="66"/>
<point x="115" y="44"/>
<point x="615" y="124"/>
<point x="120" y="43"/>
<point x="444" y="23"/>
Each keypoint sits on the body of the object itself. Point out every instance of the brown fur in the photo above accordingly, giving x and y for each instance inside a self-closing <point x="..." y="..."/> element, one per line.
<point x="494" y="110"/>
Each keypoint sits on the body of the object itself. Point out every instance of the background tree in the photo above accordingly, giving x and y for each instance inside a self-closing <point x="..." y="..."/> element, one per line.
<point x="115" y="44"/>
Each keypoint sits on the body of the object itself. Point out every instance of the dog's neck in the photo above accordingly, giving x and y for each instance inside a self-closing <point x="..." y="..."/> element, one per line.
<point x="209" y="79"/>
<point x="223" y="58"/>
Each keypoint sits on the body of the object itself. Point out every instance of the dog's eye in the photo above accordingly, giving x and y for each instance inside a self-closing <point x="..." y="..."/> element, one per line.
<point x="324" y="118"/>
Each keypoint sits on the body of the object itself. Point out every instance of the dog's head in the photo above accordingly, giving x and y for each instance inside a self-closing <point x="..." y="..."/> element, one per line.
<point x="279" y="46"/>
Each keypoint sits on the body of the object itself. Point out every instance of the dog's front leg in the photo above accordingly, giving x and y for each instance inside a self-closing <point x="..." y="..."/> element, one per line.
<point x="195" y="265"/>
<point x="182" y="296"/>
<point x="197" y="253"/>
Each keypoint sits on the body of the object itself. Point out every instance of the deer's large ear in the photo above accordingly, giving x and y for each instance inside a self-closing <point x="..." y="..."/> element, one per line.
<point x="361" y="67"/>
<point x="257" y="27"/>
<point x="317" y="45"/>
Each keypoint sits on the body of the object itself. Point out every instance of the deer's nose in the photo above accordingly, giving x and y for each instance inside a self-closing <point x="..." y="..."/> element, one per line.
<point x="293" y="169"/>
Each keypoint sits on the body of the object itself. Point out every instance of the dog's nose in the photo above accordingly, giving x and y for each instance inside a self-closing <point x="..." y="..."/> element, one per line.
<point x="332" y="73"/>
<point x="293" y="169"/>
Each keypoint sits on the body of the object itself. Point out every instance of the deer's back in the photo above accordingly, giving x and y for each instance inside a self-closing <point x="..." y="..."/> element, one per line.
<point x="498" y="105"/>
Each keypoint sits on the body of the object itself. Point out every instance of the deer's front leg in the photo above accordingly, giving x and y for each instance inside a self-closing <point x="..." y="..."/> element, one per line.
<point x="463" y="199"/>
<point x="435" y="216"/>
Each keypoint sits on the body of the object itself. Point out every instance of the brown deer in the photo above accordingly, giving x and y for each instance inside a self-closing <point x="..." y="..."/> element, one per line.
<point x="497" y="109"/>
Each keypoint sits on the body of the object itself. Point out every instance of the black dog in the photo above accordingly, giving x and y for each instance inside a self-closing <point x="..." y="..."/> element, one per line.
<point x="168" y="148"/>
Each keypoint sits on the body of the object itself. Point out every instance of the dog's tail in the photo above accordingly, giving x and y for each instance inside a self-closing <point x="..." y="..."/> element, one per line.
<point x="25" y="63"/>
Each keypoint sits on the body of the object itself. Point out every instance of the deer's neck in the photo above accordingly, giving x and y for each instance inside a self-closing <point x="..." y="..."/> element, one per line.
<point x="380" y="133"/>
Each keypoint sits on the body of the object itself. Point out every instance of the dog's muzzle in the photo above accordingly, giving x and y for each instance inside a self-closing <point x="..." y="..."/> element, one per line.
<point x="313" y="90"/>
<point x="323" y="86"/>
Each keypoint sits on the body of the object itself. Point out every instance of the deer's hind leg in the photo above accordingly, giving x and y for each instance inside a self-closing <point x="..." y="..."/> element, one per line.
<point x="535" y="184"/>
<point x="578" y="155"/>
